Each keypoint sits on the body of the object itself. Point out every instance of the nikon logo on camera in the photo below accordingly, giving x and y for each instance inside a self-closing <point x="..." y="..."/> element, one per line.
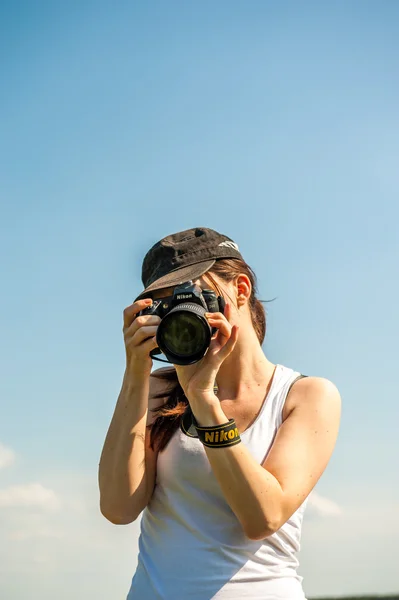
<point x="183" y="296"/>
<point x="215" y="437"/>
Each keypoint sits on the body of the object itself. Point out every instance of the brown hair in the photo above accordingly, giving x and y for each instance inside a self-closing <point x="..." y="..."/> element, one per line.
<point x="168" y="415"/>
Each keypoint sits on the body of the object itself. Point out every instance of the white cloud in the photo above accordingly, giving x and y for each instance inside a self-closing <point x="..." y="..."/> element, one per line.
<point x="41" y="559"/>
<point x="323" y="506"/>
<point x="21" y="535"/>
<point x="7" y="456"/>
<point x="32" y="495"/>
<point x="349" y="559"/>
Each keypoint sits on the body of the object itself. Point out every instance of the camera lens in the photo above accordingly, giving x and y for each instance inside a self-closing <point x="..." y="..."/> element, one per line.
<point x="184" y="334"/>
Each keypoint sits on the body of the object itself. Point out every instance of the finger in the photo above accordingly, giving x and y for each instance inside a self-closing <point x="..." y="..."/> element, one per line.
<point x="131" y="311"/>
<point x="229" y="345"/>
<point x="220" y="323"/>
<point x="149" y="344"/>
<point x="141" y="321"/>
<point x="218" y="315"/>
<point x="141" y="335"/>
<point x="227" y="311"/>
<point x="221" y="315"/>
<point x="218" y="341"/>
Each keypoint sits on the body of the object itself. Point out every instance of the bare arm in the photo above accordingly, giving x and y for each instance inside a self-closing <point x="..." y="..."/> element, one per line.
<point x="263" y="497"/>
<point x="128" y="465"/>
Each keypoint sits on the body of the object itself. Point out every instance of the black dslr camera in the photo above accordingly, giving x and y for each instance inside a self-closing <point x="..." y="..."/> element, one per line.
<point x="184" y="334"/>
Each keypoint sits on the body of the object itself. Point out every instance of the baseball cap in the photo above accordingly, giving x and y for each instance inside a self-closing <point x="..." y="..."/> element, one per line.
<point x="184" y="255"/>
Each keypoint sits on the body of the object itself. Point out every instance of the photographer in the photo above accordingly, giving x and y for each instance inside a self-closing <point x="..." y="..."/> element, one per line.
<point x="221" y="449"/>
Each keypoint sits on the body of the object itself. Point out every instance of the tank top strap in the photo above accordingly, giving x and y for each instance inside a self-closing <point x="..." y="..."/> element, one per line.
<point x="286" y="379"/>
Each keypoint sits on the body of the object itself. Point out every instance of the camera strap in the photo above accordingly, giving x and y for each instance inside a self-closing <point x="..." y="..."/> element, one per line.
<point x="215" y="436"/>
<point x="187" y="421"/>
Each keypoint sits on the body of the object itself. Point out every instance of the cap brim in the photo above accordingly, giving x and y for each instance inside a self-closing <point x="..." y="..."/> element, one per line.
<point x="179" y="276"/>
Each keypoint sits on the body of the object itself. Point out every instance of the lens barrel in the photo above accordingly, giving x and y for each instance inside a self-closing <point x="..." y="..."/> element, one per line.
<point x="184" y="334"/>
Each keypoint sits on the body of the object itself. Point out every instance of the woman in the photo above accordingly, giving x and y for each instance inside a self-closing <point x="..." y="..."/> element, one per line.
<point x="222" y="520"/>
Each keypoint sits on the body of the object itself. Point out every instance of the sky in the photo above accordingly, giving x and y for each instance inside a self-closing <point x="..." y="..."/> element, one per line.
<point x="275" y="123"/>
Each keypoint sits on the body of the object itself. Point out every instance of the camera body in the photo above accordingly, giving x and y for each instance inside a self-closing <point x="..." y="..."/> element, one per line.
<point x="184" y="333"/>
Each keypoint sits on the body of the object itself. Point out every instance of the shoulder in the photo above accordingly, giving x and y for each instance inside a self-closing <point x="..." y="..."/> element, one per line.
<point x="313" y="393"/>
<point x="305" y="441"/>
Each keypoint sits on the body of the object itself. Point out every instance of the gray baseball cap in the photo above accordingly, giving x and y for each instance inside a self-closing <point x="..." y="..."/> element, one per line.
<point x="185" y="255"/>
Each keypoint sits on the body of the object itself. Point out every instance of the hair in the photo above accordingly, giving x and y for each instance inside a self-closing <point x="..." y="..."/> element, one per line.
<point x="168" y="416"/>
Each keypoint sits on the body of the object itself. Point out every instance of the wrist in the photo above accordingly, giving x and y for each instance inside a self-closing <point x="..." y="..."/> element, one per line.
<point x="135" y="378"/>
<point x="138" y="364"/>
<point x="209" y="415"/>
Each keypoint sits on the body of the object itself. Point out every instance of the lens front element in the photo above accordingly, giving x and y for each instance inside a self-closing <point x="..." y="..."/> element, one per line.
<point x="184" y="334"/>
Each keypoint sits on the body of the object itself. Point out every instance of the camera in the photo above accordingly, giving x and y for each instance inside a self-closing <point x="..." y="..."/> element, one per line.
<point x="184" y="334"/>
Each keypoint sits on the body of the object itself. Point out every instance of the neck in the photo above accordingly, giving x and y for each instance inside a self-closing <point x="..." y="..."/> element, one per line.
<point x="246" y="369"/>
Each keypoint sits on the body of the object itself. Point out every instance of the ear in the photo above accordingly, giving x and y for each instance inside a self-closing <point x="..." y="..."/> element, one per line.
<point x="243" y="290"/>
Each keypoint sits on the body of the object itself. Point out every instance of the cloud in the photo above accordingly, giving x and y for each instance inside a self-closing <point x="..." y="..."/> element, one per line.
<point x="32" y="495"/>
<point x="100" y="558"/>
<point x="21" y="535"/>
<point x="7" y="456"/>
<point x="323" y="506"/>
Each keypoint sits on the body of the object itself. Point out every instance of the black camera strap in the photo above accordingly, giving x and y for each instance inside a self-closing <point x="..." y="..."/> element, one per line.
<point x="215" y="436"/>
<point x="187" y="423"/>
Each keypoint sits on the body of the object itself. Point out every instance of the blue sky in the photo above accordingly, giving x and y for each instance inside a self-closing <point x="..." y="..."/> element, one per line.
<point x="275" y="123"/>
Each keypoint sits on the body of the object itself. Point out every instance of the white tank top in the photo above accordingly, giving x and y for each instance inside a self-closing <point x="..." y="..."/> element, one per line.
<point x="191" y="543"/>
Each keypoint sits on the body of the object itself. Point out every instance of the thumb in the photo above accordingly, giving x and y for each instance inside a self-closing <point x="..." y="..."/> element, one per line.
<point x="229" y="345"/>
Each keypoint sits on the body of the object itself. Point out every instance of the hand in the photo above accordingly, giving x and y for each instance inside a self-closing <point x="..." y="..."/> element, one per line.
<point x="198" y="379"/>
<point x="140" y="337"/>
